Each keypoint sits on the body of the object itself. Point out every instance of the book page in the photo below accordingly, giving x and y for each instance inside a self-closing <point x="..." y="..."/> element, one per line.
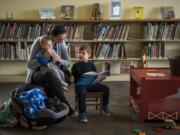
<point x="101" y="76"/>
<point x="90" y="73"/>
<point x="155" y="74"/>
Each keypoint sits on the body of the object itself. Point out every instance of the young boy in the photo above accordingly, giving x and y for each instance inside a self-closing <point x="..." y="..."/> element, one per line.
<point x="78" y="70"/>
<point x="45" y="62"/>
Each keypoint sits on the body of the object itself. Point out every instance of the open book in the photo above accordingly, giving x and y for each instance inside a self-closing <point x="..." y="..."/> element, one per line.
<point x="92" y="77"/>
<point x="155" y="74"/>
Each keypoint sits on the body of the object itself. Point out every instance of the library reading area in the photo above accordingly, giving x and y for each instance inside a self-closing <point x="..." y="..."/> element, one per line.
<point x="107" y="67"/>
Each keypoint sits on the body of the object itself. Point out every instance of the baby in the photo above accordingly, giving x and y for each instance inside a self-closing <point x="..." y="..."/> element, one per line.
<point x="47" y="62"/>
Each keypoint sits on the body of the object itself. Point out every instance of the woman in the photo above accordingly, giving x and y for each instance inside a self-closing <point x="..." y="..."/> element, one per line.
<point x="48" y="79"/>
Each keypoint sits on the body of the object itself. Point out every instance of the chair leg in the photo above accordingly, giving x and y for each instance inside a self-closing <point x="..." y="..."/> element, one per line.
<point x="97" y="103"/>
<point x="101" y="104"/>
<point x="76" y="103"/>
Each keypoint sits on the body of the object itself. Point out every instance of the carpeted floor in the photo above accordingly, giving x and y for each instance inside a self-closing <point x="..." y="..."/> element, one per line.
<point x="122" y="121"/>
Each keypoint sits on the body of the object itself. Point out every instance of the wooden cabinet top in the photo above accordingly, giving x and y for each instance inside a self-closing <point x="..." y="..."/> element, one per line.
<point x="142" y="73"/>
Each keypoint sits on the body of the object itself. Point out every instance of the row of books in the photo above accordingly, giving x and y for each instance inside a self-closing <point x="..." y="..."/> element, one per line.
<point x="162" y="31"/>
<point x="15" y="31"/>
<point x="74" y="32"/>
<point x="111" y="32"/>
<point x="27" y="31"/>
<point x="154" y="50"/>
<point x="19" y="51"/>
<point x="107" y="50"/>
<point x="100" y="51"/>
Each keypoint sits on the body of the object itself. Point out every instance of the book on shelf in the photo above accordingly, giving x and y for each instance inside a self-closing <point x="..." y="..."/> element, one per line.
<point x="111" y="32"/>
<point x="46" y="13"/>
<point x="167" y="12"/>
<point x="155" y="74"/>
<point x="125" y="67"/>
<point x="92" y="77"/>
<point x="73" y="50"/>
<point x="138" y="12"/>
<point x="76" y="50"/>
<point x="122" y="52"/>
<point x="67" y="11"/>
<point x="20" y="31"/>
<point x="74" y="32"/>
<point x="109" y="50"/>
<point x="154" y="50"/>
<point x="177" y="32"/>
<point x="17" y="51"/>
<point x="161" y="31"/>
<point x="108" y="68"/>
<point x="115" y="9"/>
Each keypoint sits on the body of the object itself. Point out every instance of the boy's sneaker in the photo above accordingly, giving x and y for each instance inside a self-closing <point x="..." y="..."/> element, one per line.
<point x="106" y="111"/>
<point x="83" y="118"/>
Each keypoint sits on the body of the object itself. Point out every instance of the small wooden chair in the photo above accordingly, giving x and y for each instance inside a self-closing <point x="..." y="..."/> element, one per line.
<point x="92" y="99"/>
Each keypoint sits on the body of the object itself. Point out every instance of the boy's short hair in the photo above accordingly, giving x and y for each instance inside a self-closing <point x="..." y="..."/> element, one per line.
<point x="85" y="48"/>
<point x="44" y="39"/>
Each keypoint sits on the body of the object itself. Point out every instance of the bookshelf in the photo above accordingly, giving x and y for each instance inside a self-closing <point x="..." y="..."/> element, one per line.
<point x="118" y="42"/>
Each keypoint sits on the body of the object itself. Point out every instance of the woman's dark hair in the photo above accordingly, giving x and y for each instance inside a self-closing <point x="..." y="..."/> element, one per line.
<point x="56" y="30"/>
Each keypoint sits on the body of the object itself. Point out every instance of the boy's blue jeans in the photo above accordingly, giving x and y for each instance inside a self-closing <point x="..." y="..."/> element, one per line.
<point x="82" y="90"/>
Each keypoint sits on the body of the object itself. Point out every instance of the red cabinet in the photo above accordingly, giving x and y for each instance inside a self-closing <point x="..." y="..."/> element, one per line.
<point x="153" y="96"/>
